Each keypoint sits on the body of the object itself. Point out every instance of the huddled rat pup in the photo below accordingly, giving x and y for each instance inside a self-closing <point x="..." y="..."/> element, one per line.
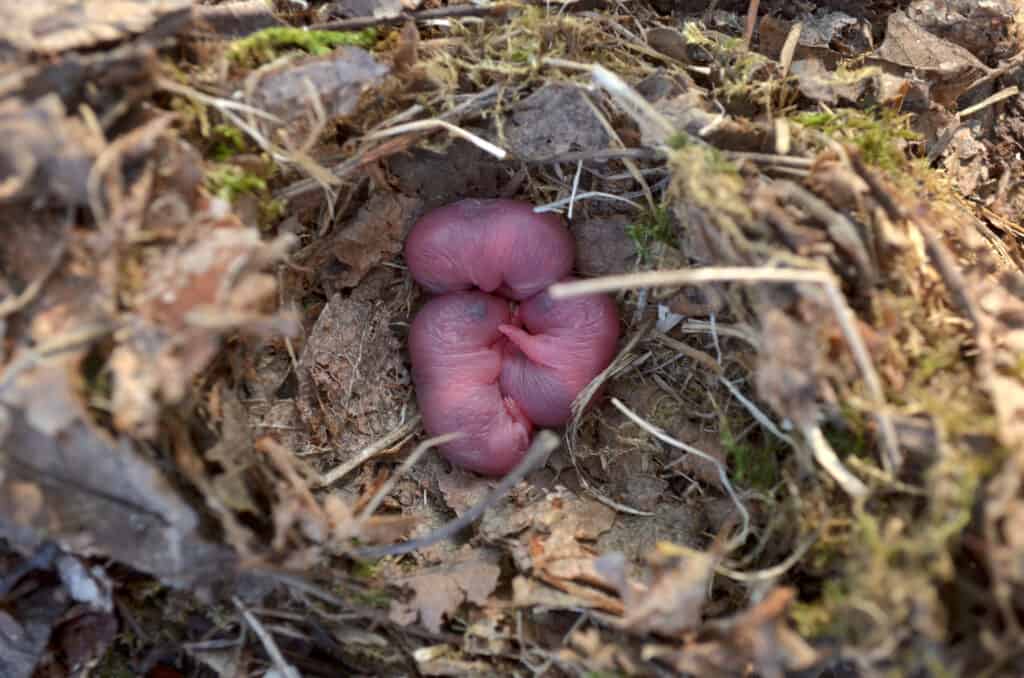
<point x="479" y="368"/>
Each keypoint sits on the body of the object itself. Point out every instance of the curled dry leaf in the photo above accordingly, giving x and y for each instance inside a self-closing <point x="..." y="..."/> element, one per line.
<point x="673" y="601"/>
<point x="554" y="537"/>
<point x="190" y="299"/>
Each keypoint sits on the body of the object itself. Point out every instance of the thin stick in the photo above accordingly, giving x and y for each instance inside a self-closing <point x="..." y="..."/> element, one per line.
<point x="602" y="154"/>
<point x="19" y="301"/>
<point x="552" y="206"/>
<point x="755" y="412"/>
<point x="458" y="12"/>
<point x="771" y="572"/>
<point x="544" y="443"/>
<point x="411" y="461"/>
<point x="736" y="541"/>
<point x="283" y="667"/>
<point x="390" y="440"/>
<point x="627" y="97"/>
<point x="829" y="461"/>
<point x="1004" y="93"/>
<point x="748" y="31"/>
<point x="434" y="123"/>
<point x="575" y="187"/>
<point x="686" y="276"/>
<point x="892" y="457"/>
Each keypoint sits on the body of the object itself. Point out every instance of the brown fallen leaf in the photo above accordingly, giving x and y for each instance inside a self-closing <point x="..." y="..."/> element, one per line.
<point x="441" y="591"/>
<point x="983" y="28"/>
<point x="59" y="25"/>
<point x="310" y="90"/>
<point x="100" y="496"/>
<point x="374" y="235"/>
<point x="233" y="19"/>
<point x="567" y="119"/>
<point x="26" y="624"/>
<point x="949" y="68"/>
<point x="817" y="83"/>
<point x="673" y="602"/>
<point x="191" y="297"/>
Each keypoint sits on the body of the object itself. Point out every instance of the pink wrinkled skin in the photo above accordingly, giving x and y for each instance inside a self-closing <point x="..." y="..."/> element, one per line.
<point x="499" y="246"/>
<point x="457" y="352"/>
<point x="478" y="367"/>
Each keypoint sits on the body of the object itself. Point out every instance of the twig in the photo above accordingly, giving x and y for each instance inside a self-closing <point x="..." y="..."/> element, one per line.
<point x="748" y="31"/>
<point x="1004" y="93"/>
<point x="32" y="290"/>
<point x="892" y="457"/>
<point x="601" y="154"/>
<point x="283" y="667"/>
<point x="736" y="541"/>
<point x="544" y="443"/>
<point x="756" y="412"/>
<point x="434" y="123"/>
<point x="771" y="159"/>
<point x="689" y="351"/>
<point x="770" y="572"/>
<point x="552" y="206"/>
<point x="389" y="485"/>
<point x="1013" y="62"/>
<point x="575" y="187"/>
<point x="369" y="452"/>
<point x="457" y="12"/>
<point x="829" y="461"/>
<point x="627" y="97"/>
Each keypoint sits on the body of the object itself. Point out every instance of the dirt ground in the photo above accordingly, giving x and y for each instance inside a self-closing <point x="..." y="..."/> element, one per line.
<point x="807" y="458"/>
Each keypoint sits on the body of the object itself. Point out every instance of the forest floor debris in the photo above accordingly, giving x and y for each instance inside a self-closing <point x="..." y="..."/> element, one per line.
<point x="807" y="457"/>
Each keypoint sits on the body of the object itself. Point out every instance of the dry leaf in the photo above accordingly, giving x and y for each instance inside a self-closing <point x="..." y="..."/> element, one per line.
<point x="440" y="592"/>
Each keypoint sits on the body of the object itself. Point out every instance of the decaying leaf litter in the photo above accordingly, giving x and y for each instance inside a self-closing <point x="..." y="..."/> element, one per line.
<point x="806" y="458"/>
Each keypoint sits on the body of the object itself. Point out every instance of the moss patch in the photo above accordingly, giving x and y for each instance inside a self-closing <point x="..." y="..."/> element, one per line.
<point x="266" y="45"/>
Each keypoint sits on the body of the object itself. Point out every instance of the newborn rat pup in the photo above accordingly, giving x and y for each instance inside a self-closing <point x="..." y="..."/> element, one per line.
<point x="457" y="351"/>
<point x="499" y="246"/>
<point x="478" y="368"/>
<point x="565" y="345"/>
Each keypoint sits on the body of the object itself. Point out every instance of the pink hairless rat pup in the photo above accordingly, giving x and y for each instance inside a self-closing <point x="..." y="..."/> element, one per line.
<point x="479" y="368"/>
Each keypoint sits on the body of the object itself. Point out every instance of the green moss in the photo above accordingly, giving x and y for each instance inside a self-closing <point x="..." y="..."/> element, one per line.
<point x="878" y="134"/>
<point x="652" y="227"/>
<point x="819" y="618"/>
<point x="944" y="356"/>
<point x="754" y="466"/>
<point x="228" y="182"/>
<point x="228" y="141"/>
<point x="266" y="45"/>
